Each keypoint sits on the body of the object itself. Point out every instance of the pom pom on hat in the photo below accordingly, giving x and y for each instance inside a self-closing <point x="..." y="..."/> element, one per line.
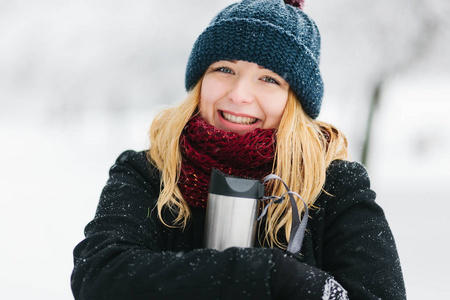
<point x="296" y="3"/>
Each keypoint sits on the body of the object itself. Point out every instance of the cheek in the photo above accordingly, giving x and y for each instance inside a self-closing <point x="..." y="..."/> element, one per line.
<point x="211" y="89"/>
<point x="204" y="109"/>
<point x="274" y="109"/>
<point x="207" y="100"/>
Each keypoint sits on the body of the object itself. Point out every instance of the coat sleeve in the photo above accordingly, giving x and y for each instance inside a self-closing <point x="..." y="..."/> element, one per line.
<point x="358" y="245"/>
<point x="122" y="256"/>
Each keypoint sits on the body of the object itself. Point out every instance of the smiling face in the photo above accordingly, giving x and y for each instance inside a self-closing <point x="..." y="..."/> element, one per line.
<point x="240" y="96"/>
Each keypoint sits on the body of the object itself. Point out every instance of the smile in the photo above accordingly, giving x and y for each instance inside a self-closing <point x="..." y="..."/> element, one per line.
<point x="238" y="119"/>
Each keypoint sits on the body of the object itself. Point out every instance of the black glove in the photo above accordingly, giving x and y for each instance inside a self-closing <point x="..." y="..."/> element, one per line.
<point x="292" y="279"/>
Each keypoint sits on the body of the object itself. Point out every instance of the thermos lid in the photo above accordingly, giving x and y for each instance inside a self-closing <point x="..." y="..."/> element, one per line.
<point x="227" y="185"/>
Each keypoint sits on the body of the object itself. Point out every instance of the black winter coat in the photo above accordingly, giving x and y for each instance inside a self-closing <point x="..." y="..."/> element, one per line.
<point x="129" y="254"/>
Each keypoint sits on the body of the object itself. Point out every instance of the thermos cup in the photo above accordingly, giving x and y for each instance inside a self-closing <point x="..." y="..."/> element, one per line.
<point x="231" y="211"/>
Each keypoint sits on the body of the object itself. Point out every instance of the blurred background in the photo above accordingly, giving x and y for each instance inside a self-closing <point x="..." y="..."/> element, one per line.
<point x="80" y="82"/>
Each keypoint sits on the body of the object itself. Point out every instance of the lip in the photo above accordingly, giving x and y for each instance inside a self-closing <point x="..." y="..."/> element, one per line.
<point x="238" y="128"/>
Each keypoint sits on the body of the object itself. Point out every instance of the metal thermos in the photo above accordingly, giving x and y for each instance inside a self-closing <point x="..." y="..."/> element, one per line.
<point x="231" y="211"/>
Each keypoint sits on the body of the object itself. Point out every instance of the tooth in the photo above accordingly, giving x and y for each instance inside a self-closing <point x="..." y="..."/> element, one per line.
<point x="238" y="120"/>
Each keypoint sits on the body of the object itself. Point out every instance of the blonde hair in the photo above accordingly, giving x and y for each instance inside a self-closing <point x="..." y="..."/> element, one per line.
<point x="304" y="149"/>
<point x="165" y="154"/>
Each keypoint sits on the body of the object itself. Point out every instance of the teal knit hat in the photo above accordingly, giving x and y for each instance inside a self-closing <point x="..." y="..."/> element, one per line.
<point x="270" y="33"/>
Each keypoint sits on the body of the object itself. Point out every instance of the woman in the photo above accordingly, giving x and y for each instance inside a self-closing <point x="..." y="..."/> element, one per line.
<point x="254" y="92"/>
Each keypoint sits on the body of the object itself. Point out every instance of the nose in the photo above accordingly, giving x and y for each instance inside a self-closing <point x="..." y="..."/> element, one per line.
<point x="242" y="91"/>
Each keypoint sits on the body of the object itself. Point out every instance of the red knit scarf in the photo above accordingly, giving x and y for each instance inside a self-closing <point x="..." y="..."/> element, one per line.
<point x="204" y="147"/>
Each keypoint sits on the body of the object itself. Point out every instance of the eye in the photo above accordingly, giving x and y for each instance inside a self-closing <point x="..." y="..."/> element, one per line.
<point x="224" y="69"/>
<point x="270" y="80"/>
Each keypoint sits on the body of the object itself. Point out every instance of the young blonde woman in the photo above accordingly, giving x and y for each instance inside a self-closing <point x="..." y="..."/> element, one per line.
<point x="255" y="91"/>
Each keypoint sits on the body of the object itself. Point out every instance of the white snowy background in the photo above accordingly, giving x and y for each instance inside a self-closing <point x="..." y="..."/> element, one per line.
<point x="81" y="80"/>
